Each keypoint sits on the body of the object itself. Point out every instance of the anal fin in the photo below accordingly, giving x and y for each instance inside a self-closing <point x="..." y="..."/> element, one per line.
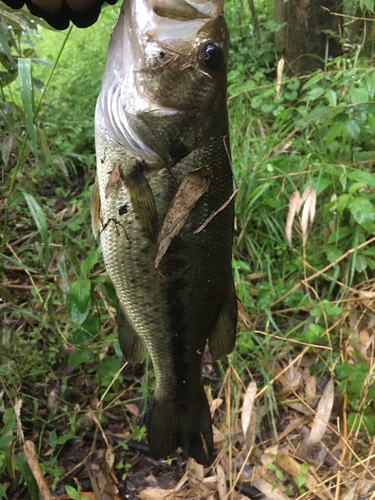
<point x="132" y="346"/>
<point x="222" y="337"/>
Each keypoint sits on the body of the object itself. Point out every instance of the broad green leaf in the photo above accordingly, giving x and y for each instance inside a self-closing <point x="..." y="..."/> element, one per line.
<point x="371" y="121"/>
<point x="332" y="97"/>
<point x="317" y="113"/>
<point x="72" y="492"/>
<point x="26" y="89"/>
<point x="4" y="441"/>
<point x="52" y="439"/>
<point x="89" y="263"/>
<point x="5" y="45"/>
<point x="342" y="201"/>
<point x="360" y="263"/>
<point x="362" y="210"/>
<point x="80" y="293"/>
<point x="314" y="93"/>
<point x="370" y="82"/>
<point x="363" y="176"/>
<point x="3" y="492"/>
<point x="356" y="186"/>
<point x="80" y="356"/>
<point x="358" y="95"/>
<point x="27" y="476"/>
<point x="66" y="437"/>
<point x="335" y="131"/>
<point x="312" y="81"/>
<point x="41" y="223"/>
<point x="300" y="481"/>
<point x="77" y="316"/>
<point x="333" y="253"/>
<point x="87" y="330"/>
<point x="108" y="369"/>
<point x="329" y="309"/>
<point x="353" y="129"/>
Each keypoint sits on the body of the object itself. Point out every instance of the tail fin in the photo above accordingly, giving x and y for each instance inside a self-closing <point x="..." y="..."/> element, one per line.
<point x="187" y="426"/>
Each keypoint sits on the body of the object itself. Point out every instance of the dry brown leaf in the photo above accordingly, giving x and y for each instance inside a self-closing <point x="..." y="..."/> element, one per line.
<point x="294" y="469"/>
<point x="295" y="203"/>
<point x="112" y="184"/>
<point x="300" y="407"/>
<point x="17" y="411"/>
<point x="268" y="457"/>
<point x="308" y="213"/>
<point x="296" y="424"/>
<point x="82" y="494"/>
<point x="310" y="390"/>
<point x="248" y="405"/>
<point x="193" y="186"/>
<point x="195" y="474"/>
<point x="332" y="223"/>
<point x="110" y="457"/>
<point x="280" y="67"/>
<point x="32" y="459"/>
<point x="216" y="403"/>
<point x="323" y="414"/>
<point x="52" y="400"/>
<point x="158" y="494"/>
<point x="269" y="490"/>
<point x="244" y="316"/>
<point x="132" y="408"/>
<point x="100" y="478"/>
<point x="261" y="129"/>
<point x="221" y="482"/>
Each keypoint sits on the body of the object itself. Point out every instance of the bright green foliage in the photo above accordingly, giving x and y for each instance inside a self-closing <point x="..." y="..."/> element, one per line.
<point x="319" y="133"/>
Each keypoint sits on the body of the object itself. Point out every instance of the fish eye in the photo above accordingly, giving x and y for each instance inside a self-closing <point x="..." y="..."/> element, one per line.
<point x="211" y="54"/>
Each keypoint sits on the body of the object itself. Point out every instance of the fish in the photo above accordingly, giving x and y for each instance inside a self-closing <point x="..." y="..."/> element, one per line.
<point x="58" y="13"/>
<point x="163" y="205"/>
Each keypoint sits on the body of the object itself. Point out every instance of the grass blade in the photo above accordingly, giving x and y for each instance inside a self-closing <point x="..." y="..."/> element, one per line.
<point x="26" y="88"/>
<point x="17" y="263"/>
<point x="41" y="223"/>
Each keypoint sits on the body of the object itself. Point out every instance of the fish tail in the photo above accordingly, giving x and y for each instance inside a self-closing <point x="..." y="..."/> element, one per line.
<point x="188" y="426"/>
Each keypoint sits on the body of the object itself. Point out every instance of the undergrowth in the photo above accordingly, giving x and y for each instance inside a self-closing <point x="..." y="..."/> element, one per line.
<point x="309" y="299"/>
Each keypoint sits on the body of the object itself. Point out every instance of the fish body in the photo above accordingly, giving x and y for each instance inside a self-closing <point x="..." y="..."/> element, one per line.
<point x="161" y="122"/>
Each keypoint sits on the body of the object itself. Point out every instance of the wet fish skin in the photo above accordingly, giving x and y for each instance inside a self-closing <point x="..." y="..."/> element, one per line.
<point x="161" y="114"/>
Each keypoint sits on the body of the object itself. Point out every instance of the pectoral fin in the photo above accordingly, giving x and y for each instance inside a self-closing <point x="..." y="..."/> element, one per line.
<point x="132" y="346"/>
<point x="95" y="209"/>
<point x="143" y="201"/>
<point x="222" y="338"/>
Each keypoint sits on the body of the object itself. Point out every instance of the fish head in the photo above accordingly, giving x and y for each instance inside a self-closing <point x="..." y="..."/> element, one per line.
<point x="164" y="88"/>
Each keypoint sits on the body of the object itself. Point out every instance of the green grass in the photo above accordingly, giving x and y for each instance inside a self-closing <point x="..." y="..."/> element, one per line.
<point x="58" y="329"/>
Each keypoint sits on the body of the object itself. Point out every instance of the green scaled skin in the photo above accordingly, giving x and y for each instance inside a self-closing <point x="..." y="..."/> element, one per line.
<point x="161" y="115"/>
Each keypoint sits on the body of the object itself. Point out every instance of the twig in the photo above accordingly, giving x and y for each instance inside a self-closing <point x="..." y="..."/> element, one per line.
<point x="225" y="204"/>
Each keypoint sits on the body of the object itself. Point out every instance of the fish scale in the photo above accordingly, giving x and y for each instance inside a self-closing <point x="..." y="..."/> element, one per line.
<point x="171" y="310"/>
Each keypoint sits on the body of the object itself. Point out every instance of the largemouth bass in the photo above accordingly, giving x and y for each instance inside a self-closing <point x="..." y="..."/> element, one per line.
<point x="161" y="125"/>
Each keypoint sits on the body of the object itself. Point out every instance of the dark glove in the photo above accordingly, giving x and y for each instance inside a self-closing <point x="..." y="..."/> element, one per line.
<point x="58" y="13"/>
